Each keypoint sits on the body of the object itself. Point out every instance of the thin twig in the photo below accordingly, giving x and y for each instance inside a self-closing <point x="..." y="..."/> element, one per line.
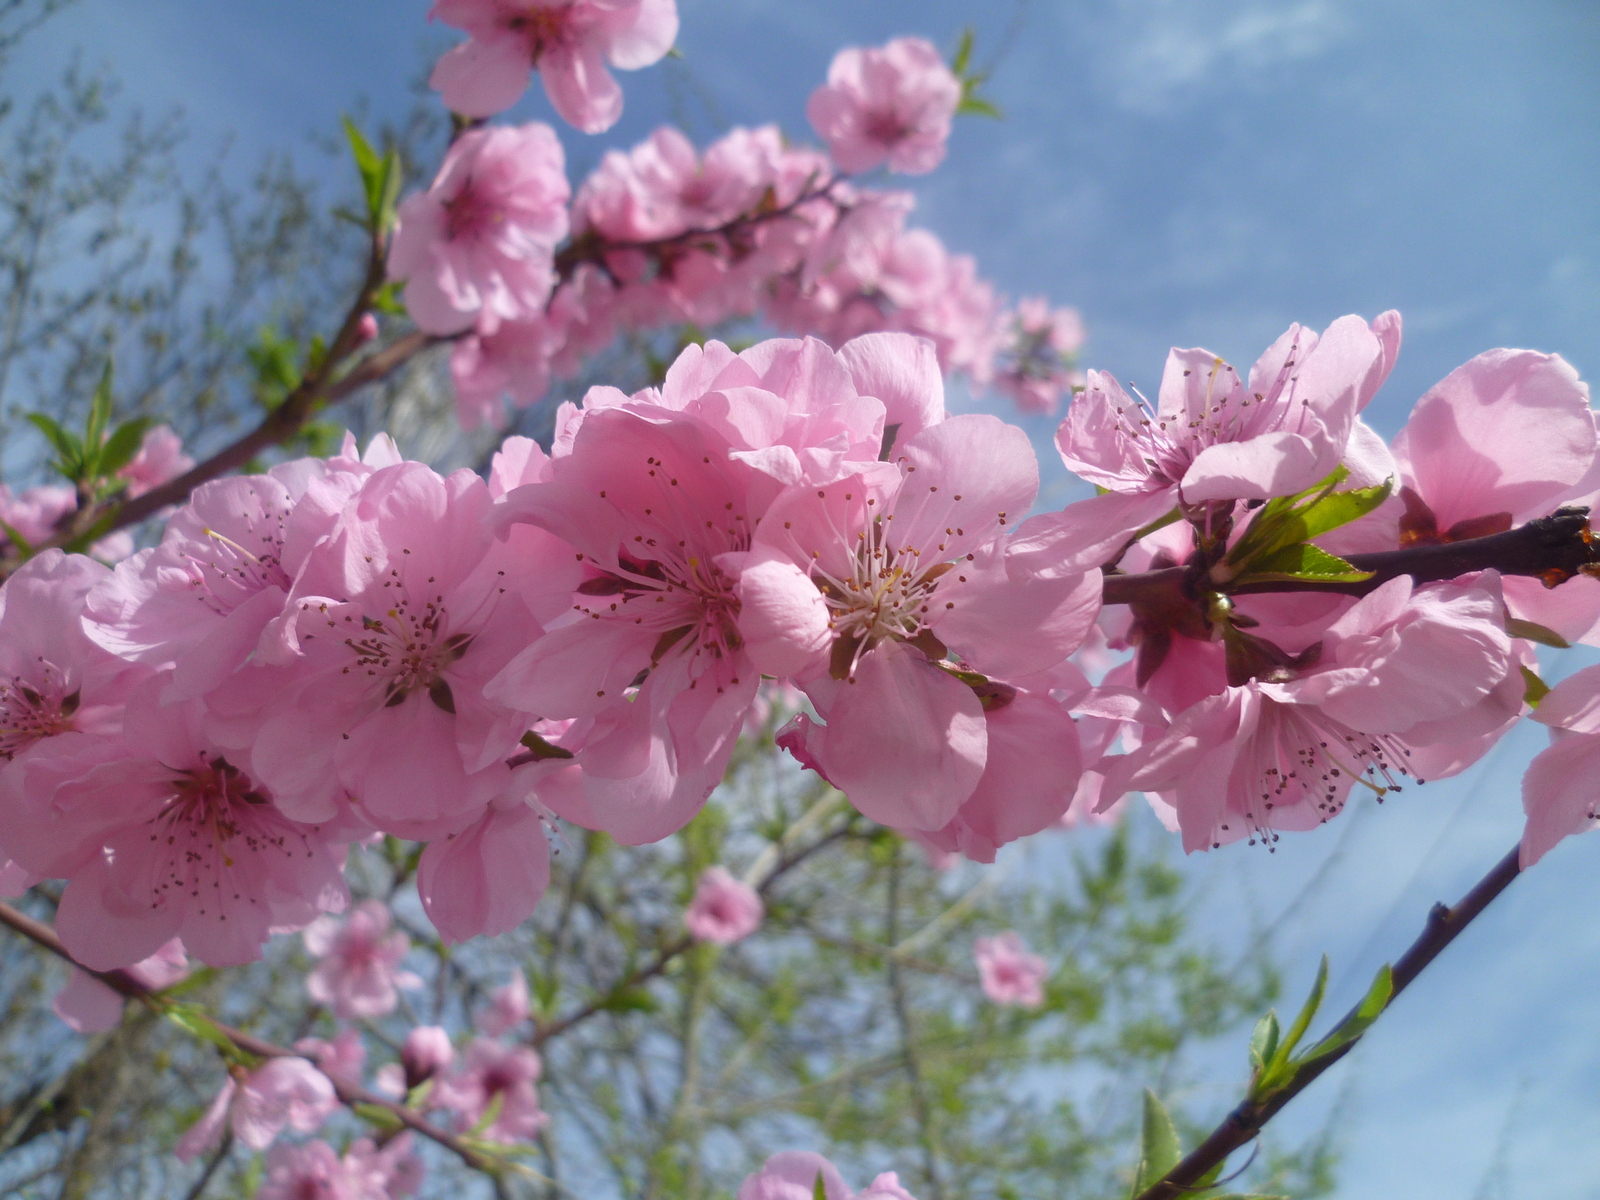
<point x="908" y="1043"/>
<point x="1246" y="1121"/>
<point x="350" y="1094"/>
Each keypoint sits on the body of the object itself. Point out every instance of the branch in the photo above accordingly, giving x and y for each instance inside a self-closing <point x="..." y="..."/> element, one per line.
<point x="1241" y="1126"/>
<point x="772" y="865"/>
<point x="351" y="1094"/>
<point x="1553" y="548"/>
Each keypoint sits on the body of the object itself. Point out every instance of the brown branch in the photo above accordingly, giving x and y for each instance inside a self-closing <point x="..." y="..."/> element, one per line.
<point x="1553" y="548"/>
<point x="672" y="950"/>
<point x="1241" y="1126"/>
<point x="125" y="984"/>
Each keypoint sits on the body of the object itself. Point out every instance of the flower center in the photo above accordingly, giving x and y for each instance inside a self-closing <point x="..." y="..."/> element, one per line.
<point x="889" y="593"/>
<point x="404" y="648"/>
<point x="28" y="714"/>
<point x="544" y="29"/>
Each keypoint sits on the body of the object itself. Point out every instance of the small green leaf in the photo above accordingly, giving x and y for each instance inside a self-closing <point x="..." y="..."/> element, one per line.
<point x="1535" y="632"/>
<point x="191" y="981"/>
<point x="976" y="106"/>
<point x="27" y="551"/>
<point x="819" y="1190"/>
<point x="388" y="191"/>
<point x="1307" y="1011"/>
<point x="634" y="999"/>
<point x="962" y="58"/>
<point x="1159" y="1150"/>
<point x="368" y="164"/>
<point x="193" y="1020"/>
<point x="122" y="446"/>
<point x="1358" y="1022"/>
<point x="99" y="421"/>
<point x="491" y="1114"/>
<point x="1264" y="1042"/>
<point x="387" y="299"/>
<point x="67" y="446"/>
<point x="1340" y="508"/>
<point x="1300" y="561"/>
<point x="1534" y="689"/>
<point x="382" y="1118"/>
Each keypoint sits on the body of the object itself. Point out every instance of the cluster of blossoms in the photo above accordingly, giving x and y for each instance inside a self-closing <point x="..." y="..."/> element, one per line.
<point x="804" y="1175"/>
<point x="358" y="645"/>
<point x="529" y="277"/>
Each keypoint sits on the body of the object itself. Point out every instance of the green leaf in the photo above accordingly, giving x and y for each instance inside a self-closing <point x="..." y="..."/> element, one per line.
<point x="1535" y="632"/>
<point x="122" y="445"/>
<point x="191" y="981"/>
<point x="388" y="191"/>
<point x="973" y="105"/>
<point x="819" y="1190"/>
<point x="387" y="299"/>
<point x="367" y="163"/>
<point x="1534" y="689"/>
<point x="1340" y="508"/>
<point x="1286" y="520"/>
<point x="27" y="551"/>
<point x="193" y="1020"/>
<point x="1300" y="561"/>
<point x="1358" y="1022"/>
<point x="1264" y="1042"/>
<point x="634" y="999"/>
<point x="962" y="58"/>
<point x="1159" y="1150"/>
<point x="491" y="1114"/>
<point x="1307" y="1011"/>
<point x="67" y="446"/>
<point x="382" y="1118"/>
<point x="99" y="421"/>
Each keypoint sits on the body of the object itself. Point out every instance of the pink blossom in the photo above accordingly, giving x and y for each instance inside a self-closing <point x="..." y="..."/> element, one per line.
<point x="366" y="329"/>
<point x="513" y="361"/>
<point x="1558" y="792"/>
<point x="724" y="909"/>
<point x="1010" y="974"/>
<point x="1501" y="440"/>
<point x="343" y="1058"/>
<point x="662" y="187"/>
<point x="61" y="699"/>
<point x="885" y="1187"/>
<point x="866" y="585"/>
<point x="892" y="103"/>
<point x="793" y="1175"/>
<point x="259" y="1105"/>
<point x="223" y="868"/>
<point x="1407" y="681"/>
<point x="508" y="1007"/>
<point x="489" y="1070"/>
<point x="38" y="513"/>
<point x="227" y="559"/>
<point x="1041" y="357"/>
<point x="312" y="1171"/>
<point x="390" y="1172"/>
<point x="395" y="623"/>
<point x="426" y="1053"/>
<point x="1030" y="776"/>
<point x="358" y="970"/>
<point x="650" y="498"/>
<point x="476" y="247"/>
<point x="569" y="42"/>
<point x="1212" y="438"/>
<point x="485" y="876"/>
<point x="160" y="458"/>
<point x="89" y="1006"/>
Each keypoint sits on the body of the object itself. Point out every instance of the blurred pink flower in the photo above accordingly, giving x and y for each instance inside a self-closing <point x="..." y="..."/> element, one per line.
<point x="475" y="248"/>
<point x="89" y="1006"/>
<point x="892" y="103"/>
<point x="358" y="970"/>
<point x="1009" y="972"/>
<point x="488" y="1070"/>
<point x="260" y="1104"/>
<point x="724" y="909"/>
<point x="569" y="42"/>
<point x="508" y="1007"/>
<point x="160" y="458"/>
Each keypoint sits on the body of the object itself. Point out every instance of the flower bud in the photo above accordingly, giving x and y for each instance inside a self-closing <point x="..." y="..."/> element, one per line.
<point x="366" y="329"/>
<point x="427" y="1052"/>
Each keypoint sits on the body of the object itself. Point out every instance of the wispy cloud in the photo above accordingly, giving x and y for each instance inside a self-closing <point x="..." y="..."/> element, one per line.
<point x="1168" y="52"/>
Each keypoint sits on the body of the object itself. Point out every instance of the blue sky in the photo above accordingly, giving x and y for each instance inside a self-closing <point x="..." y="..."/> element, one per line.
<point x="1187" y="172"/>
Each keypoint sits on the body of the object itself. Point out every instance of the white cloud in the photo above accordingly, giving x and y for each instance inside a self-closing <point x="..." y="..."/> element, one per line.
<point x="1167" y="51"/>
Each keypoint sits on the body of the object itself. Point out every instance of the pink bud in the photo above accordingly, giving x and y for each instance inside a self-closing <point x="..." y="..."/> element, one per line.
<point x="366" y="329"/>
<point x="427" y="1052"/>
